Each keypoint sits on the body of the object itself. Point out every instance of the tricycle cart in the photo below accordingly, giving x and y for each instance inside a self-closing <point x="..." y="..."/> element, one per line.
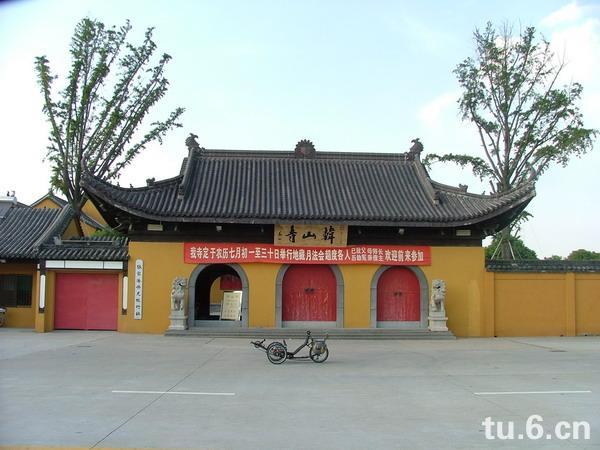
<point x="277" y="352"/>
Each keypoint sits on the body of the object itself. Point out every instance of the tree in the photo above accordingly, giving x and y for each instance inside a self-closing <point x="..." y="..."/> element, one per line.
<point x="96" y="121"/>
<point x="554" y="258"/>
<point x="583" y="255"/>
<point x="516" y="246"/>
<point x="525" y="121"/>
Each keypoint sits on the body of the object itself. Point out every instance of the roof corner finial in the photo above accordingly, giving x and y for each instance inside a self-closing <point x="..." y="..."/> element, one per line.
<point x="191" y="142"/>
<point x="416" y="149"/>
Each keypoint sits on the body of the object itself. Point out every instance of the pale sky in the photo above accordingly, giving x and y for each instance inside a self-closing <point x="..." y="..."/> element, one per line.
<point x="348" y="75"/>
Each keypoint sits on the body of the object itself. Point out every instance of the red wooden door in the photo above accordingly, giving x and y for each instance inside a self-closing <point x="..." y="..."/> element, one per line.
<point x="230" y="283"/>
<point x="398" y="296"/>
<point x="309" y="294"/>
<point x="86" y="301"/>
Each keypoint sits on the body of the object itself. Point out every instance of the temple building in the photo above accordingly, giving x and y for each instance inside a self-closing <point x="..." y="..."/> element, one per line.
<point x="275" y="242"/>
<point x="303" y="238"/>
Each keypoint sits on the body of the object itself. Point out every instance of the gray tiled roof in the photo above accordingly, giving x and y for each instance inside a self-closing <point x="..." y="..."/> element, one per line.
<point x="88" y="249"/>
<point x="23" y="227"/>
<point x="32" y="233"/>
<point x="542" y="266"/>
<point x="275" y="187"/>
<point x="62" y="203"/>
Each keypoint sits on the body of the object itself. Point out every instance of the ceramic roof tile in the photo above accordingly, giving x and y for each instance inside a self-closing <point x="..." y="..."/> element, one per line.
<point x="275" y="187"/>
<point x="542" y="266"/>
<point x="62" y="203"/>
<point x="21" y="228"/>
<point x="33" y="233"/>
<point x="88" y="249"/>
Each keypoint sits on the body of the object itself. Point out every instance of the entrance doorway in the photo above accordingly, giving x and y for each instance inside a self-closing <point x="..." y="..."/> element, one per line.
<point x="209" y="284"/>
<point x="309" y="297"/>
<point x="400" y="299"/>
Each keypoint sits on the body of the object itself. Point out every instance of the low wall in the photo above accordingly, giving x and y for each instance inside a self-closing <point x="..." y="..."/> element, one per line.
<point x="542" y="298"/>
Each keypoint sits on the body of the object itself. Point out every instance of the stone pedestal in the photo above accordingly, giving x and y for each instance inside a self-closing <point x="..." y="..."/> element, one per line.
<point x="437" y="321"/>
<point x="178" y="320"/>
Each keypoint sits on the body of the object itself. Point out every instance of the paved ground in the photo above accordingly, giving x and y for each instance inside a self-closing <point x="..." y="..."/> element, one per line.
<point x="57" y="389"/>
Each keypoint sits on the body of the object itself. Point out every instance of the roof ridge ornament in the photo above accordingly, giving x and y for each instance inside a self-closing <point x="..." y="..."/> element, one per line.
<point x="305" y="149"/>
<point x="415" y="150"/>
<point x="193" y="149"/>
<point x="414" y="154"/>
<point x="191" y="142"/>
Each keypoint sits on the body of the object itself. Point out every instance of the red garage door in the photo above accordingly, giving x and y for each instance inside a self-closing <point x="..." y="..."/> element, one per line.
<point x="398" y="296"/>
<point x="86" y="301"/>
<point x="309" y="294"/>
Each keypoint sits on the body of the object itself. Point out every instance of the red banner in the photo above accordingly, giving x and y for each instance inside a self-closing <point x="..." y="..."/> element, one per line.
<point x="394" y="255"/>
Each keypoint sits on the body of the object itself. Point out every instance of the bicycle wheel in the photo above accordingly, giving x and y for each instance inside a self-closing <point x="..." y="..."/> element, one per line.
<point x="319" y="357"/>
<point x="276" y="352"/>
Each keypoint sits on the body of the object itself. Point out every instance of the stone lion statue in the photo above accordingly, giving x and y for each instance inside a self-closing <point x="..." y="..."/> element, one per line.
<point x="438" y="295"/>
<point x="178" y="294"/>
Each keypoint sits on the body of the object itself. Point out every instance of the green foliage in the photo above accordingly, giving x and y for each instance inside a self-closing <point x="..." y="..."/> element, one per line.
<point x="524" y="120"/>
<point x="554" y="258"/>
<point x="477" y="165"/>
<point x="107" y="232"/>
<point x="111" y="87"/>
<point x="519" y="249"/>
<point x="583" y="255"/>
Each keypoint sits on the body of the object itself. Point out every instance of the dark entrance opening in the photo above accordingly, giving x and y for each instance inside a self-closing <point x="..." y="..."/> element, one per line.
<point x="210" y="284"/>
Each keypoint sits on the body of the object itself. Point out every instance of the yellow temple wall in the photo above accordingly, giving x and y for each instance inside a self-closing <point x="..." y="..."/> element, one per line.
<point x="478" y="302"/>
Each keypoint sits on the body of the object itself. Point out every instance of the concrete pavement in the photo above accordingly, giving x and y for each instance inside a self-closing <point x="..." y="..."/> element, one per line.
<point x="111" y="390"/>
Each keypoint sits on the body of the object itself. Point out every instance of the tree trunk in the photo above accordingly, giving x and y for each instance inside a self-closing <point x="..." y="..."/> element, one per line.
<point x="77" y="219"/>
<point x="77" y="205"/>
<point x="505" y="247"/>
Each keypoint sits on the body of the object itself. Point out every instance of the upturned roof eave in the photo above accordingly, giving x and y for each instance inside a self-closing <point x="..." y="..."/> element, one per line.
<point x="105" y="194"/>
<point x="460" y="222"/>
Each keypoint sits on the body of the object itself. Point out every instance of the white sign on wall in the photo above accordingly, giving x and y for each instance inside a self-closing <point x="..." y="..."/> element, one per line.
<point x="139" y="280"/>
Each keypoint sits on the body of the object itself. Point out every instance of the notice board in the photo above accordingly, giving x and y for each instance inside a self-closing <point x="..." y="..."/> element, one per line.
<point x="231" y="308"/>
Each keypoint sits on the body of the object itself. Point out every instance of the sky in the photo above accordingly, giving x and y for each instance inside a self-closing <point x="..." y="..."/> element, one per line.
<point x="349" y="75"/>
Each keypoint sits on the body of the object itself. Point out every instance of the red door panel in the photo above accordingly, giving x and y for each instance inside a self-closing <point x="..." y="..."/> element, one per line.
<point x="230" y="283"/>
<point x="398" y="296"/>
<point x="102" y="302"/>
<point x="309" y="294"/>
<point x="86" y="301"/>
<point x="69" y="300"/>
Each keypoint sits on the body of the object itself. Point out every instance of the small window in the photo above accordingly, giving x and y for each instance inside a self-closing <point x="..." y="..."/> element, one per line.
<point x="15" y="290"/>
